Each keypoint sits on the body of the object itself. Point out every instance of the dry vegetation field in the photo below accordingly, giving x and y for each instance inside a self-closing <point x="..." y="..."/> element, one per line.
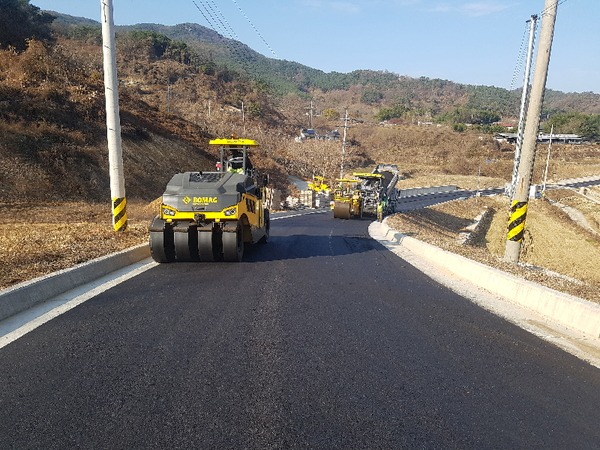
<point x="29" y="249"/>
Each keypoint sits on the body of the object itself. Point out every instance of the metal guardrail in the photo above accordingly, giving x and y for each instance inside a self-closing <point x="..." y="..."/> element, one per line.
<point x="412" y="192"/>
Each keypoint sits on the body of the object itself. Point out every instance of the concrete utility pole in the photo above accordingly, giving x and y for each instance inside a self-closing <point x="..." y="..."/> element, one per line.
<point x="344" y="145"/>
<point x="547" y="162"/>
<point x="113" y="123"/>
<point x="244" y="123"/>
<point x="516" y="225"/>
<point x="524" y="102"/>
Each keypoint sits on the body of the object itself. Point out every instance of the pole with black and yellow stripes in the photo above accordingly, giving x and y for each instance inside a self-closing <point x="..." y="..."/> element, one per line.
<point x="516" y="225"/>
<point x="113" y="123"/>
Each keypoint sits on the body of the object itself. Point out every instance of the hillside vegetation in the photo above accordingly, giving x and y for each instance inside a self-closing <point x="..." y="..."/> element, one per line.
<point x="182" y="85"/>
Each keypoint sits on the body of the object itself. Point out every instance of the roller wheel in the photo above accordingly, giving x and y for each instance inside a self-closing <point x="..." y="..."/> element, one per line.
<point x="265" y="238"/>
<point x="161" y="242"/>
<point x="233" y="244"/>
<point x="341" y="210"/>
<point x="186" y="243"/>
<point x="205" y="245"/>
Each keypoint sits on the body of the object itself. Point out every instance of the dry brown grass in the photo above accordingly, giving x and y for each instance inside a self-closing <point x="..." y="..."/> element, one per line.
<point x="586" y="200"/>
<point x="426" y="151"/>
<point x="39" y="239"/>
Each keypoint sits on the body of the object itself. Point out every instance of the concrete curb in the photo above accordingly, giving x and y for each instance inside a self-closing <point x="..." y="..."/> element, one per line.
<point x="22" y="296"/>
<point x="567" y="310"/>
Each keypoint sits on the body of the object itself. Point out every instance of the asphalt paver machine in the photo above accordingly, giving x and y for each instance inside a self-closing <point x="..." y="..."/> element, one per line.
<point x="360" y="196"/>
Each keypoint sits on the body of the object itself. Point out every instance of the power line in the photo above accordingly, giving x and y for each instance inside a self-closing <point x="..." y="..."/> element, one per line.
<point x="520" y="58"/>
<point x="522" y="51"/>
<point x="225" y="20"/>
<point x="545" y="11"/>
<point x="236" y="44"/>
<point x="204" y="15"/>
<point x="257" y="32"/>
<point x="213" y="23"/>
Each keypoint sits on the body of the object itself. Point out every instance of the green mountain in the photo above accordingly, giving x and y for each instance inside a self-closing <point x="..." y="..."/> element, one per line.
<point x="379" y="88"/>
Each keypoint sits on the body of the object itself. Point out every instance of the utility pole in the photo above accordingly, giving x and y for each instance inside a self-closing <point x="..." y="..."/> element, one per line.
<point x="516" y="225"/>
<point x="113" y="123"/>
<point x="547" y="162"/>
<point x="344" y="145"/>
<point x="524" y="101"/>
<point x="243" y="120"/>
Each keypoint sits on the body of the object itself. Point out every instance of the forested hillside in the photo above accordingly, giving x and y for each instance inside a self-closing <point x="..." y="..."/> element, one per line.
<point x="182" y="85"/>
<point x="435" y="96"/>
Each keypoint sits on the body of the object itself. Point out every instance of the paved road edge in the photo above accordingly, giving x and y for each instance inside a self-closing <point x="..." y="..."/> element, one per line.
<point x="567" y="310"/>
<point x="23" y="296"/>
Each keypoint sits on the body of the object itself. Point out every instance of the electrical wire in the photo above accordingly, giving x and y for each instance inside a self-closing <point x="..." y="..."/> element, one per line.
<point x="547" y="10"/>
<point x="236" y="45"/>
<point x="213" y="23"/>
<point x="225" y="20"/>
<point x="257" y="32"/>
<point x="520" y="58"/>
<point x="522" y="51"/>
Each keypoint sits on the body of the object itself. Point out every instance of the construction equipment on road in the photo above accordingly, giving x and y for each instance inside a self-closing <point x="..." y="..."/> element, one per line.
<point x="346" y="199"/>
<point x="361" y="195"/>
<point x="208" y="216"/>
<point x="318" y="184"/>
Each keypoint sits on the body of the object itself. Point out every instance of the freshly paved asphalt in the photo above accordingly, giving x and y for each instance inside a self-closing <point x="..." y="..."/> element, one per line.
<point x="320" y="339"/>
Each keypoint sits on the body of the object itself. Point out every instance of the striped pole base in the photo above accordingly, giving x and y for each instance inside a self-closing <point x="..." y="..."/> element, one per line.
<point x="120" y="214"/>
<point x="516" y="225"/>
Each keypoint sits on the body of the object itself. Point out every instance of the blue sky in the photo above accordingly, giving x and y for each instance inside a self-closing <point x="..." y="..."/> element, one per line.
<point x="471" y="42"/>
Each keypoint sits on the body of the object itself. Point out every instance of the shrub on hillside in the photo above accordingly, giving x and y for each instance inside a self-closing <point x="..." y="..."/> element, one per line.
<point x="20" y="21"/>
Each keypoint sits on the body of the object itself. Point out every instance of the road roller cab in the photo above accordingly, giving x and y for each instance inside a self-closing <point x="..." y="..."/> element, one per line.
<point x="209" y="216"/>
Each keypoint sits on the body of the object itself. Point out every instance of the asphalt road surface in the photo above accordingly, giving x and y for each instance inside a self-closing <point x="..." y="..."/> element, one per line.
<point x="320" y="339"/>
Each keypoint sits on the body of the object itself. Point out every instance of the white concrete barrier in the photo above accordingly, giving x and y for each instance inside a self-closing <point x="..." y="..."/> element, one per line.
<point x="412" y="192"/>
<point x="22" y="296"/>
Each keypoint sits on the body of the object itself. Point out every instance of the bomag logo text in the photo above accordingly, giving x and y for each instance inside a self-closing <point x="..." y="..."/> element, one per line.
<point x="204" y="200"/>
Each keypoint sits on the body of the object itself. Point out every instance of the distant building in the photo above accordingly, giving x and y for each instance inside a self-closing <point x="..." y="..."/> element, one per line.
<point x="307" y="133"/>
<point x="332" y="135"/>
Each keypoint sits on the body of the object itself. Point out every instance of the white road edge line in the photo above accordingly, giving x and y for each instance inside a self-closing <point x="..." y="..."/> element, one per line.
<point x="66" y="302"/>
